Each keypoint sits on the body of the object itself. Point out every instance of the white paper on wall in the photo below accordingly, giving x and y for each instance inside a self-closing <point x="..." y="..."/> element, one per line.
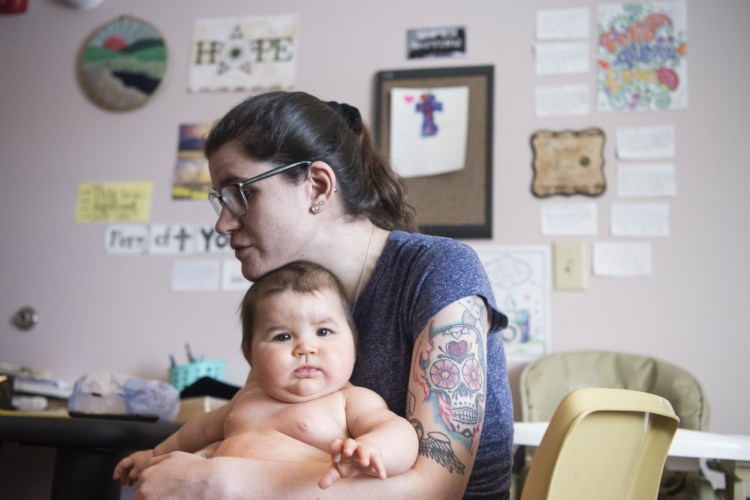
<point x="429" y="130"/>
<point x="646" y="180"/>
<point x="640" y="219"/>
<point x="561" y="58"/>
<point x="619" y="260"/>
<point x="560" y="100"/>
<point x="562" y="24"/>
<point x="195" y="275"/>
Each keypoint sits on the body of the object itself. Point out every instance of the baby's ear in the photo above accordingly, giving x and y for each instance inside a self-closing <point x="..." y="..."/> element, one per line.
<point x="247" y="353"/>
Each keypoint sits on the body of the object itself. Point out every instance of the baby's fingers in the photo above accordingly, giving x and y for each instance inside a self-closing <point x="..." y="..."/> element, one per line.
<point x="121" y="470"/>
<point x="329" y="477"/>
<point x="377" y="466"/>
<point x="349" y="447"/>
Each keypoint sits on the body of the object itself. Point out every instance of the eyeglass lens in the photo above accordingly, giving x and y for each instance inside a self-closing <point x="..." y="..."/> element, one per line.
<point x="233" y="197"/>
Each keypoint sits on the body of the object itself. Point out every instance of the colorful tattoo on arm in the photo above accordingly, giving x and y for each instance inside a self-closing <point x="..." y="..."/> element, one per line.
<point x="450" y="369"/>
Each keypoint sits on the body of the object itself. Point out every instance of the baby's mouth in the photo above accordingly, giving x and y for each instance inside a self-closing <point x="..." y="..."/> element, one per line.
<point x="306" y="371"/>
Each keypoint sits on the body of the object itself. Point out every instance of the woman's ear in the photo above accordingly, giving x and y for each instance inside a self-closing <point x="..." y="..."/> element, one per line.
<point x="322" y="182"/>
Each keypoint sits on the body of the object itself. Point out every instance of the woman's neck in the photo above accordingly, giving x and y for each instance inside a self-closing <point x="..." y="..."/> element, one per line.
<point x="351" y="251"/>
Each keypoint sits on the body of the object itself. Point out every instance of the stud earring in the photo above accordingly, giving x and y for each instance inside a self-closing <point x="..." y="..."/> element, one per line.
<point x="315" y="208"/>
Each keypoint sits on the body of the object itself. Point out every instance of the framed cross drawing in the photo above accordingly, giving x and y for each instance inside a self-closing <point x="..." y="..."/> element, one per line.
<point x="435" y="126"/>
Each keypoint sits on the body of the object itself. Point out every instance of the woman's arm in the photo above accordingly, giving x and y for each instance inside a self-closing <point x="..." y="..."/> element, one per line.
<point x="446" y="407"/>
<point x="196" y="434"/>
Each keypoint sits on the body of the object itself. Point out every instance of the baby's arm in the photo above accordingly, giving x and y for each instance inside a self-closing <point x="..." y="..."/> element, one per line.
<point x="382" y="444"/>
<point x="196" y="434"/>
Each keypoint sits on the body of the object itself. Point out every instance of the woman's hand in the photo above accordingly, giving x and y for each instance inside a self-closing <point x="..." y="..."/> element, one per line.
<point x="175" y="475"/>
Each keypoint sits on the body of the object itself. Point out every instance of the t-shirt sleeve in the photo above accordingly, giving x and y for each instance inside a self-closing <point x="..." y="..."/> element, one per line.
<point x="449" y="271"/>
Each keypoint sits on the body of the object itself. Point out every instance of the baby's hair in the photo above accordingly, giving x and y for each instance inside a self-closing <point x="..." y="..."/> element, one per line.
<point x="301" y="277"/>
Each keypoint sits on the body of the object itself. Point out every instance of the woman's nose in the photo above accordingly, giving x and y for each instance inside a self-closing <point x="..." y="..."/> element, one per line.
<point x="226" y="223"/>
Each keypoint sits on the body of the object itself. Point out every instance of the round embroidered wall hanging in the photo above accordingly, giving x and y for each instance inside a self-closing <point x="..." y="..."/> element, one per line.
<point x="123" y="64"/>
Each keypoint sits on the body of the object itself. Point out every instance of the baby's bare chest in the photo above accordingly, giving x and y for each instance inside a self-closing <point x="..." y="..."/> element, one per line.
<point x="316" y="423"/>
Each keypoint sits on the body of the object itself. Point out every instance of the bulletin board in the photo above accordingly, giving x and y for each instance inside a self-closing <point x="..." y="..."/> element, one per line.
<point x="456" y="204"/>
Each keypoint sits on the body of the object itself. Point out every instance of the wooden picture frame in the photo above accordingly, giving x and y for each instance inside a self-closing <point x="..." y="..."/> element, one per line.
<point x="456" y="204"/>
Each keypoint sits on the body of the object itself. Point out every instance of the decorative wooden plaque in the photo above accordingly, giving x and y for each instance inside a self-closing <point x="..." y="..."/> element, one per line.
<point x="568" y="162"/>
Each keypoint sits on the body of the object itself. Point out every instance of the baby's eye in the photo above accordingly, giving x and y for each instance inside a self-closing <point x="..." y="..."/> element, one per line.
<point x="324" y="332"/>
<point x="282" y="337"/>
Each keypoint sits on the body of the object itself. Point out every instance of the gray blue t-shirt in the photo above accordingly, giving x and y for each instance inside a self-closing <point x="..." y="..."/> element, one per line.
<point x="417" y="276"/>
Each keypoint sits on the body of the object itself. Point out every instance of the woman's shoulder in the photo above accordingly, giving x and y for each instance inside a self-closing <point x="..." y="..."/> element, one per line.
<point x="428" y="245"/>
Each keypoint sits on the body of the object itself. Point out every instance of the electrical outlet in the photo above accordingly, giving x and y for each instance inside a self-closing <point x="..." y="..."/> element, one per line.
<point x="570" y="265"/>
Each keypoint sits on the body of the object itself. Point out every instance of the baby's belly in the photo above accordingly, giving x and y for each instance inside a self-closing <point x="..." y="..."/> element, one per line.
<point x="270" y="445"/>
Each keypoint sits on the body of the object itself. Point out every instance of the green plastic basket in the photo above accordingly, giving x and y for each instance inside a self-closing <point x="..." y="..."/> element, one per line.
<point x="182" y="376"/>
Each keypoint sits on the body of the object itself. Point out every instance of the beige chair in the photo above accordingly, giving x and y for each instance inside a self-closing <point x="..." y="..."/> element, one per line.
<point x="545" y="381"/>
<point x="603" y="444"/>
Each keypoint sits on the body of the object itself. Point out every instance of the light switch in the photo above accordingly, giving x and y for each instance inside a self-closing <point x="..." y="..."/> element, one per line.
<point x="570" y="265"/>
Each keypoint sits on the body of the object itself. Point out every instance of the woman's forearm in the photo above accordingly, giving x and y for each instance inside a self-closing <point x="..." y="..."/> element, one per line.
<point x="184" y="475"/>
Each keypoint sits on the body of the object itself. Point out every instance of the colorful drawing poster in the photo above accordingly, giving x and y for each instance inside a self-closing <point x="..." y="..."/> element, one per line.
<point x="191" y="178"/>
<point x="521" y="282"/>
<point x="642" y="56"/>
<point x="429" y="130"/>
<point x="249" y="53"/>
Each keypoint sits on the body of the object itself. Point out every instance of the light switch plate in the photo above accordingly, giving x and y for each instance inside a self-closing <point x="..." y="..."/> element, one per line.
<point x="570" y="265"/>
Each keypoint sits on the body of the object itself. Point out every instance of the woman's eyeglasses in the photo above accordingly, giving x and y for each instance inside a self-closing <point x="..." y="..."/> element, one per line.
<point x="233" y="196"/>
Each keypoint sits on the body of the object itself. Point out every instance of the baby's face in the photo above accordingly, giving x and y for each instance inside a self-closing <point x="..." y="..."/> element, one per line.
<point x="302" y="345"/>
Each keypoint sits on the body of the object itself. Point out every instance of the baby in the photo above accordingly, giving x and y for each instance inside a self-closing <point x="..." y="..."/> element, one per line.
<point x="297" y="405"/>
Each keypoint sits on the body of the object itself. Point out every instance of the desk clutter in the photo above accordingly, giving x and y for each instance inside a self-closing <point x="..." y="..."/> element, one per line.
<point x="28" y="389"/>
<point x="112" y="393"/>
<point x="192" y="388"/>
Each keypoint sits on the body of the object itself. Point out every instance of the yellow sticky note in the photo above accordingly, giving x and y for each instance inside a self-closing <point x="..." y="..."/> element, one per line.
<point x="117" y="201"/>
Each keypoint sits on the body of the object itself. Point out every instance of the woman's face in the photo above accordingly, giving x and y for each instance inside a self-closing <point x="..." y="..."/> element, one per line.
<point x="274" y="230"/>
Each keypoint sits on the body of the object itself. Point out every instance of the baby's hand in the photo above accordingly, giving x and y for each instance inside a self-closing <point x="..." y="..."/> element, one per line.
<point x="130" y="467"/>
<point x="350" y="458"/>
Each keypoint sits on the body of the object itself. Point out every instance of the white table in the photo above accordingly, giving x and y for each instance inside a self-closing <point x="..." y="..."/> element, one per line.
<point x="727" y="454"/>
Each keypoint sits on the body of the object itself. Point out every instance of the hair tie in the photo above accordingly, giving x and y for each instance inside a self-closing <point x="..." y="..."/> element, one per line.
<point x="349" y="113"/>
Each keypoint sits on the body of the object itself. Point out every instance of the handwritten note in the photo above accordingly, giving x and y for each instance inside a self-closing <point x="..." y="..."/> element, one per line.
<point x="124" y="201"/>
<point x="561" y="58"/>
<point x="644" y="143"/>
<point x="618" y="260"/>
<point x="195" y="275"/>
<point x="558" y="100"/>
<point x="569" y="219"/>
<point x="568" y="24"/>
<point x="646" y="180"/>
<point x="640" y="219"/>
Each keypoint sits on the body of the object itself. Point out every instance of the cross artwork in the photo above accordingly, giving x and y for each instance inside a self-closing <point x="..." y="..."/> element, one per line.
<point x="428" y="105"/>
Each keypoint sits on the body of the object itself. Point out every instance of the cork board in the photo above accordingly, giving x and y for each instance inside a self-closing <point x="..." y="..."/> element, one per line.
<point x="456" y="204"/>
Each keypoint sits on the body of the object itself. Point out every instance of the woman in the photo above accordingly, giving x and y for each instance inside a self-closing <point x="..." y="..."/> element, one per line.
<point x="299" y="178"/>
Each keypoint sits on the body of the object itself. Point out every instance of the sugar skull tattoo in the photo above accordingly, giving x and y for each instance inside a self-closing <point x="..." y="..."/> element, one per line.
<point x="450" y="369"/>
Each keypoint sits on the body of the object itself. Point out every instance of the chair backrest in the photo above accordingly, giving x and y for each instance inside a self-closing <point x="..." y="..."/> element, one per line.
<point x="545" y="381"/>
<point x="603" y="443"/>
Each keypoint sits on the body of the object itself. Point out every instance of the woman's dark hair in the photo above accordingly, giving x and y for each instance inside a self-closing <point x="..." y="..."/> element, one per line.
<point x="300" y="276"/>
<point x="285" y="127"/>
